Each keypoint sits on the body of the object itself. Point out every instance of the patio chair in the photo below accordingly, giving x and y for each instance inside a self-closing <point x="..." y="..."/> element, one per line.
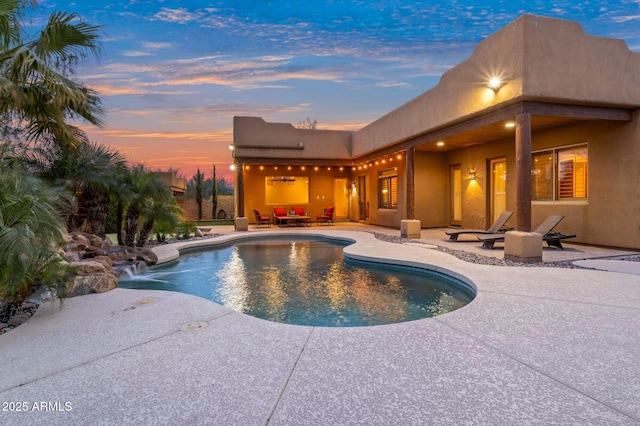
<point x="278" y="213"/>
<point x="325" y="217"/>
<point x="553" y="238"/>
<point x="261" y="219"/>
<point x="497" y="227"/>
<point x="299" y="211"/>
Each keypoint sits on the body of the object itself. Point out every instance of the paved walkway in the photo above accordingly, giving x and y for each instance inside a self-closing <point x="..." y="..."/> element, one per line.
<point x="538" y="345"/>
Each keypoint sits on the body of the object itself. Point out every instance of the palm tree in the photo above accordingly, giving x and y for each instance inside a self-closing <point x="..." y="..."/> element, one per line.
<point x="142" y="186"/>
<point x="163" y="213"/>
<point x="31" y="232"/>
<point x="89" y="171"/>
<point x="34" y="87"/>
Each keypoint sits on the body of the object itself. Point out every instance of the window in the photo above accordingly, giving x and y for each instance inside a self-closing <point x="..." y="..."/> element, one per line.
<point x="560" y="174"/>
<point x="388" y="189"/>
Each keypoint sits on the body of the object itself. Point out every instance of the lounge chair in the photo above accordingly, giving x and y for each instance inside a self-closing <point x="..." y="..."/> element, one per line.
<point x="325" y="217"/>
<point x="553" y="239"/>
<point x="497" y="227"/>
<point x="261" y="219"/>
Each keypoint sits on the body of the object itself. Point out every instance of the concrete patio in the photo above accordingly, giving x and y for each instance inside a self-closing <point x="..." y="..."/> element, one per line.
<point x="538" y="345"/>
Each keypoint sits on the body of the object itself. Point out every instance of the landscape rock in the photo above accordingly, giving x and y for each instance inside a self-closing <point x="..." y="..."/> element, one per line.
<point x="107" y="243"/>
<point x="92" y="251"/>
<point x="116" y="253"/>
<point x="105" y="260"/>
<point x="79" y="285"/>
<point x="81" y="242"/>
<point x="16" y="320"/>
<point x="144" y="254"/>
<point x="87" y="267"/>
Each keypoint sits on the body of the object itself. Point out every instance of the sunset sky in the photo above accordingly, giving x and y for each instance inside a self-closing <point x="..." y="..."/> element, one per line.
<point x="174" y="73"/>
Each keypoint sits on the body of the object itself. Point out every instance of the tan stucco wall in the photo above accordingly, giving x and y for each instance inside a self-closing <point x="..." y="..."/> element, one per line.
<point x="383" y="217"/>
<point x="316" y="144"/>
<point x="431" y="189"/>
<point x="556" y="60"/>
<point x="475" y="209"/>
<point x="189" y="208"/>
<point x="562" y="62"/>
<point x="611" y="214"/>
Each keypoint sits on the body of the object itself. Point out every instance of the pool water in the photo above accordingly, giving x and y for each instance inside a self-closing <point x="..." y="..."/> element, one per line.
<point x="306" y="282"/>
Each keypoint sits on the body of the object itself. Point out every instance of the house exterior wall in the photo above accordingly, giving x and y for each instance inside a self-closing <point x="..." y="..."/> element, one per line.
<point x="545" y="63"/>
<point x="475" y="204"/>
<point x="611" y="214"/>
<point x="531" y="56"/>
<point x="431" y="189"/>
<point x="255" y="138"/>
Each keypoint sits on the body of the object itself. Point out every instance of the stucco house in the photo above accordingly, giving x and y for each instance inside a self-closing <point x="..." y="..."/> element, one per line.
<point x="541" y="119"/>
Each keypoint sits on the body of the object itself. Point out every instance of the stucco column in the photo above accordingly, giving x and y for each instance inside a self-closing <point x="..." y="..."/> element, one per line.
<point x="523" y="172"/>
<point x="409" y="227"/>
<point x="410" y="160"/>
<point x="239" y="188"/>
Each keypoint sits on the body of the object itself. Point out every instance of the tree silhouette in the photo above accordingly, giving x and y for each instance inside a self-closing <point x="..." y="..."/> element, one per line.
<point x="215" y="193"/>
<point x="199" y="193"/>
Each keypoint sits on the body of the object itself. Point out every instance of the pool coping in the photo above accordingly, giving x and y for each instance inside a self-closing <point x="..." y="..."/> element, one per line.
<point x="537" y="345"/>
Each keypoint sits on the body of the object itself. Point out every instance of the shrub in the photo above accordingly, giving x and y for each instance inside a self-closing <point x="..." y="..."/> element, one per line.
<point x="31" y="233"/>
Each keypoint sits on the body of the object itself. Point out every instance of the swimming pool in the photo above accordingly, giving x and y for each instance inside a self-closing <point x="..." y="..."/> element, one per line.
<point x="306" y="281"/>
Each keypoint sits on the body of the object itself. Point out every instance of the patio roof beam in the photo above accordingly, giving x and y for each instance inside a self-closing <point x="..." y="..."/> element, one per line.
<point x="504" y="113"/>
<point x="577" y="111"/>
<point x="296" y="161"/>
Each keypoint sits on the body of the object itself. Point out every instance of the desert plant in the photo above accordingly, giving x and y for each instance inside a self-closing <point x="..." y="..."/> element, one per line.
<point x="31" y="232"/>
<point x="185" y="229"/>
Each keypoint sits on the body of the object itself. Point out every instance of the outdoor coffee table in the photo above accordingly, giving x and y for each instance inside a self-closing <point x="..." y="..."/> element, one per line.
<point x="294" y="220"/>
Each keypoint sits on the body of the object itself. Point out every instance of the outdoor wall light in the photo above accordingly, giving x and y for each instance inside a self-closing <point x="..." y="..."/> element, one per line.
<point x="231" y="147"/>
<point x="495" y="84"/>
<point x="232" y="167"/>
<point x="472" y="175"/>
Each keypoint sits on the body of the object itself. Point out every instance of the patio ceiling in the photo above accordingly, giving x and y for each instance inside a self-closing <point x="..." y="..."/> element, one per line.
<point x="490" y="133"/>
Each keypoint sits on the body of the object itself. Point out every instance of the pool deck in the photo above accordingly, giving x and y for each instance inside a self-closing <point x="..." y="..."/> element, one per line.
<point x="538" y="345"/>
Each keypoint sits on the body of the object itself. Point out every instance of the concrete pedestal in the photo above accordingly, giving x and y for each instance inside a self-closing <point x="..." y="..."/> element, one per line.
<point x="523" y="246"/>
<point x="410" y="229"/>
<point x="242" y="224"/>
